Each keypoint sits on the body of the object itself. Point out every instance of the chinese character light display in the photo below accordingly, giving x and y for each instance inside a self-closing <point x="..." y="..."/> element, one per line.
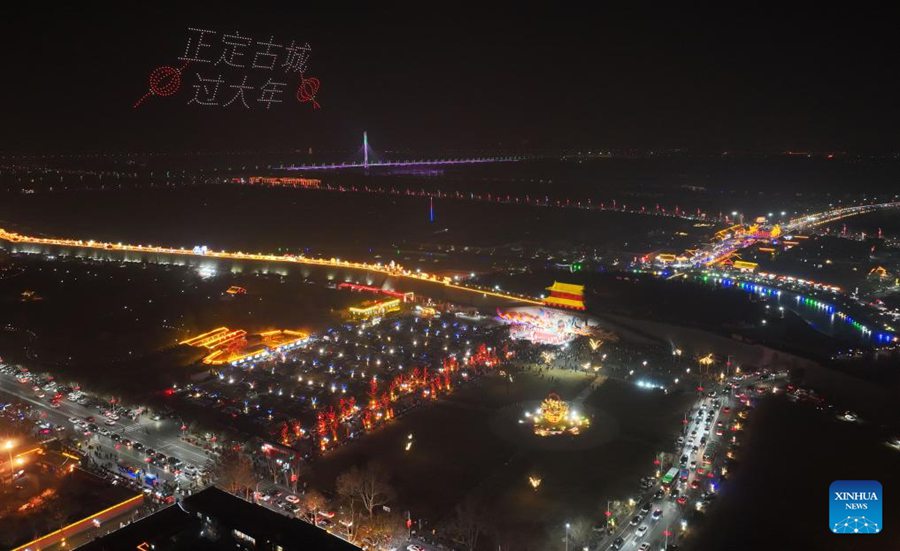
<point x="235" y="71"/>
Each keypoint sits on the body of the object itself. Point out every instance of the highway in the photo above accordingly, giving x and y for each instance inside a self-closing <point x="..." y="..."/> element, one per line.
<point x="673" y="513"/>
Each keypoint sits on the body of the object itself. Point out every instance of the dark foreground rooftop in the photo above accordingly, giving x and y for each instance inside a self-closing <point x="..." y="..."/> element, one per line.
<point x="214" y="519"/>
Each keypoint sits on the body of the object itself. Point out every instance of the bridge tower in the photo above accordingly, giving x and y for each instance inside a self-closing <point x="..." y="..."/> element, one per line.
<point x="365" y="149"/>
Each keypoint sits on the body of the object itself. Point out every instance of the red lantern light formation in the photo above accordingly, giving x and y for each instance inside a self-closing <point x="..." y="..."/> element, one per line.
<point x="164" y="81"/>
<point x="307" y="90"/>
<point x="333" y="424"/>
<point x="483" y="357"/>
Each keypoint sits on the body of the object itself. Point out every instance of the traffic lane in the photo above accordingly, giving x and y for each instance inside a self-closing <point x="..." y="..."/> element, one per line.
<point x="185" y="452"/>
<point x="136" y="458"/>
<point x="160" y="434"/>
<point x="22" y="392"/>
<point x="128" y="457"/>
<point x="691" y="493"/>
<point x="670" y="519"/>
<point x="165" y="434"/>
<point x="672" y="512"/>
<point x="60" y="414"/>
<point x="168" y="443"/>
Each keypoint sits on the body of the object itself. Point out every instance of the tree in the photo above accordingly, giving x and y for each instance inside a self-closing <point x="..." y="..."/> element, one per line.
<point x="389" y="529"/>
<point x="508" y="538"/>
<point x="579" y="532"/>
<point x="272" y="467"/>
<point x="59" y="512"/>
<point x="313" y="501"/>
<point x="347" y="487"/>
<point x="370" y="486"/>
<point x="467" y="524"/>
<point x="233" y="470"/>
<point x="298" y="468"/>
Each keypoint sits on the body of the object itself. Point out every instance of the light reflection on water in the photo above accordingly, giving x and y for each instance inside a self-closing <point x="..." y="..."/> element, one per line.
<point x="822" y="315"/>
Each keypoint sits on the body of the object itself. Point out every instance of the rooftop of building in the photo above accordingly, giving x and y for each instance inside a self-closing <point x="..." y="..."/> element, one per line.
<point x="215" y="519"/>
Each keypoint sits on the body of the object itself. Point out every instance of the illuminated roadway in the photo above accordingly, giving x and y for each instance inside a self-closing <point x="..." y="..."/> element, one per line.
<point x="672" y="513"/>
<point x="819" y="218"/>
<point x="393" y="270"/>
<point x="716" y="252"/>
<point x="162" y="435"/>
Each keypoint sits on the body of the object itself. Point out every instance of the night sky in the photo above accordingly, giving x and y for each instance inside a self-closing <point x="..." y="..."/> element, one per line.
<point x="759" y="78"/>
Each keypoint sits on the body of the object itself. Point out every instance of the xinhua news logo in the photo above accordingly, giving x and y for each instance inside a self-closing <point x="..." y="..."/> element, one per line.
<point x="855" y="507"/>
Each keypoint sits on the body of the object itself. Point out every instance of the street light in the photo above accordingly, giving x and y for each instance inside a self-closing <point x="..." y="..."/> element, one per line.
<point x="9" y="445"/>
<point x="567" y="536"/>
<point x="608" y="515"/>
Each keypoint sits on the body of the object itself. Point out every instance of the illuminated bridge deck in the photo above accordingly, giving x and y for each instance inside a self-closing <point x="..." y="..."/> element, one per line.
<point x="431" y="162"/>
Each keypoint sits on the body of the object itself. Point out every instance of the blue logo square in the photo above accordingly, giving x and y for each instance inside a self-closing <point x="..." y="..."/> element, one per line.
<point x="855" y="507"/>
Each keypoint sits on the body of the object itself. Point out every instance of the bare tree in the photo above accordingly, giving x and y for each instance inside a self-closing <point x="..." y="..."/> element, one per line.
<point x="388" y="529"/>
<point x="369" y="485"/>
<point x="579" y="532"/>
<point x="347" y="488"/>
<point x="468" y="523"/>
<point x="233" y="470"/>
<point x="59" y="512"/>
<point x="298" y="468"/>
<point x="313" y="501"/>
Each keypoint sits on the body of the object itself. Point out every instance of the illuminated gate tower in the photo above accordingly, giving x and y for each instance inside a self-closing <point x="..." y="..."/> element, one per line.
<point x="565" y="295"/>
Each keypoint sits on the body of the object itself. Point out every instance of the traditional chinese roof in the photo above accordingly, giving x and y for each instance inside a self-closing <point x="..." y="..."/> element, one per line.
<point x="567" y="288"/>
<point x="566" y="295"/>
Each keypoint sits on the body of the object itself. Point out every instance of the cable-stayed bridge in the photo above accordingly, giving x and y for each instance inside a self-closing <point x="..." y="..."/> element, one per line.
<point x="365" y="163"/>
